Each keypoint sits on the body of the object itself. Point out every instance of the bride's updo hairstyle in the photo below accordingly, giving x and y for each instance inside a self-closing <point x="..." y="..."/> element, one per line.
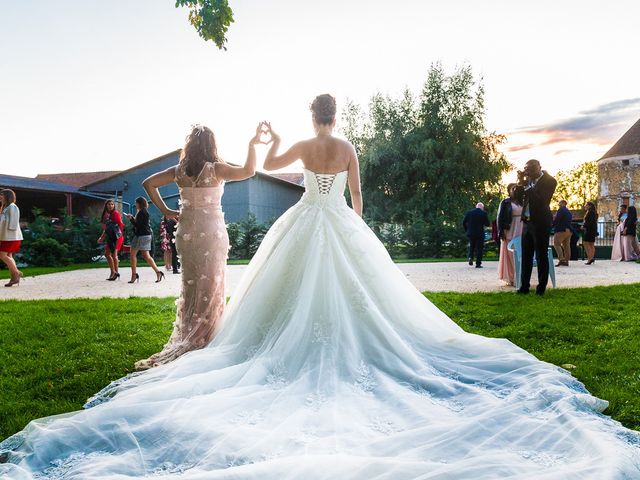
<point x="323" y="109"/>
<point x="199" y="148"/>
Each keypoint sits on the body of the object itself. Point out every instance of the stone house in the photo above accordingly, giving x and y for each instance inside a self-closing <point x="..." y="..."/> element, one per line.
<point x="619" y="175"/>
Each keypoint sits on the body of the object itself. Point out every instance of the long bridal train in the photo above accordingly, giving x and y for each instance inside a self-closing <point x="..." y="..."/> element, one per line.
<point x="331" y="365"/>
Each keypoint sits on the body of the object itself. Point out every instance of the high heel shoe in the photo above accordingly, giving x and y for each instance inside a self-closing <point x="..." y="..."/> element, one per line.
<point x="13" y="281"/>
<point x="136" y="278"/>
<point x="114" y="277"/>
<point x="160" y="277"/>
<point x="591" y="262"/>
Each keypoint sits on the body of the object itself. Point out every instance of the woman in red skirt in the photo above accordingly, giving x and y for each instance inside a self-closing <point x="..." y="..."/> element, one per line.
<point x="112" y="236"/>
<point x="10" y="234"/>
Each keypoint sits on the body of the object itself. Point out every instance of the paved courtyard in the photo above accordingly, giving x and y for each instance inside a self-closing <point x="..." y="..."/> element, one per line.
<point x="446" y="276"/>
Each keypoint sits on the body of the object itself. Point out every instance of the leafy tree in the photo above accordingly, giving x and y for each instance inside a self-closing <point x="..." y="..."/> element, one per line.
<point x="426" y="160"/>
<point x="210" y="18"/>
<point x="578" y="185"/>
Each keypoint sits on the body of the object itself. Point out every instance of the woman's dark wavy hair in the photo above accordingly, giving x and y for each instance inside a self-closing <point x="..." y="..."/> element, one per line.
<point x="592" y="207"/>
<point x="200" y="148"/>
<point x="142" y="202"/>
<point x="632" y="216"/>
<point x="103" y="217"/>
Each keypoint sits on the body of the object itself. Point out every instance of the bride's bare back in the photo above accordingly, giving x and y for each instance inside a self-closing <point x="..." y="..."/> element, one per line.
<point x="323" y="153"/>
<point x="326" y="154"/>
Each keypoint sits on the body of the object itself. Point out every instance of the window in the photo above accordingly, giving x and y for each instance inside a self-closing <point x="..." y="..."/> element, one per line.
<point x="625" y="163"/>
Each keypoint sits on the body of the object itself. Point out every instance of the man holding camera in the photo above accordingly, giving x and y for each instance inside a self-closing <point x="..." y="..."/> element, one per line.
<point x="534" y="191"/>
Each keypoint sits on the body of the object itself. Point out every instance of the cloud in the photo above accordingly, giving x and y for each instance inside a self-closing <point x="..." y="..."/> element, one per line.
<point x="517" y="148"/>
<point x="562" y="151"/>
<point x="601" y="125"/>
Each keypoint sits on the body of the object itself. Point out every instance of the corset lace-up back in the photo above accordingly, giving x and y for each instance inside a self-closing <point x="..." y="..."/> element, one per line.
<point x="324" y="181"/>
<point x="324" y="188"/>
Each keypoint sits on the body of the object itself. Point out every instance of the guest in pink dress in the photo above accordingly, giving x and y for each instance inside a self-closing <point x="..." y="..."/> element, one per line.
<point x="616" y="247"/>
<point x="509" y="227"/>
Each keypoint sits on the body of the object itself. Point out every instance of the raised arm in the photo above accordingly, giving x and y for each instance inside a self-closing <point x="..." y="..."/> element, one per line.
<point x="224" y="171"/>
<point x="275" y="161"/>
<point x="156" y="181"/>
<point x="354" y="182"/>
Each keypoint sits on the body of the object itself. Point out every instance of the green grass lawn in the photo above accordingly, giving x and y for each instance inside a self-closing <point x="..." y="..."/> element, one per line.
<point x="56" y="353"/>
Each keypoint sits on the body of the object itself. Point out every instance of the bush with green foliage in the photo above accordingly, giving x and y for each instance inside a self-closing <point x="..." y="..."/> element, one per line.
<point x="245" y="236"/>
<point x="46" y="252"/>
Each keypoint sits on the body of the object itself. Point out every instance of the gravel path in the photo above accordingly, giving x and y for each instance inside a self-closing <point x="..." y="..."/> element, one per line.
<point x="446" y="276"/>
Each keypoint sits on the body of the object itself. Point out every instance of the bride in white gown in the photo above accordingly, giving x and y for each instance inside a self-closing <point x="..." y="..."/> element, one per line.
<point x="331" y="365"/>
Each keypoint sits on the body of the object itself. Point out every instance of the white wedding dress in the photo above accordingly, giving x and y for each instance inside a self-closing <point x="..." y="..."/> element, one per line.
<point x="331" y="365"/>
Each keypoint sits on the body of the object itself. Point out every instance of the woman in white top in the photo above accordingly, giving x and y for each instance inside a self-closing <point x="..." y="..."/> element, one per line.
<point x="10" y="234"/>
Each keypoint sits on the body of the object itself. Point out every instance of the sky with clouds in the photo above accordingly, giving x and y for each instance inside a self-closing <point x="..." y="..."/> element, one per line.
<point x="93" y="85"/>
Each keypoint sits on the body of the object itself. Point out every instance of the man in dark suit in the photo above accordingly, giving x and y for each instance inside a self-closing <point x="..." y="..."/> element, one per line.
<point x="534" y="191"/>
<point x="474" y="222"/>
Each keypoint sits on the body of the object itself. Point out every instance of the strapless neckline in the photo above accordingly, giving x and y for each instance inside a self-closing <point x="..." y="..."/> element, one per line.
<point x="318" y="173"/>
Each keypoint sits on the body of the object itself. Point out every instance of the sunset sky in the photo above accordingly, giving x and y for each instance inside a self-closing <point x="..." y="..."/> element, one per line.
<point x="94" y="85"/>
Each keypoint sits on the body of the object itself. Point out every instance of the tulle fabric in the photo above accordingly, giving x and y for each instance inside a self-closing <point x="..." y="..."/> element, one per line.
<point x="202" y="243"/>
<point x="330" y="365"/>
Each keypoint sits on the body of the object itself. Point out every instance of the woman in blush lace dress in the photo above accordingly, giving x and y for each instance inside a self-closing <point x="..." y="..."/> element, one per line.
<point x="509" y="227"/>
<point x="201" y="239"/>
<point x="616" y="247"/>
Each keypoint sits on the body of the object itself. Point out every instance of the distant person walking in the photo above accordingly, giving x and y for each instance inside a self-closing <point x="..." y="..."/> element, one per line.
<point x="509" y="227"/>
<point x="142" y="240"/>
<point x="562" y="235"/>
<point x="590" y="232"/>
<point x="172" y="226"/>
<point x="616" y="248"/>
<point x="112" y="236"/>
<point x="534" y="191"/>
<point x="10" y="234"/>
<point x="630" y="249"/>
<point x="474" y="222"/>
<point x="165" y="243"/>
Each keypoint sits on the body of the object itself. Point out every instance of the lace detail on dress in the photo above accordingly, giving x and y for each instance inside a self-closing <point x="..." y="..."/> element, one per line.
<point x="325" y="182"/>
<point x="383" y="425"/>
<point x="61" y="467"/>
<point x="543" y="458"/>
<point x="248" y="417"/>
<point x="503" y="392"/>
<point x="170" y="468"/>
<point x="453" y="405"/>
<point x="365" y="381"/>
<point x="306" y="437"/>
<point x="315" y="401"/>
<point x="320" y="333"/>
<point x="108" y="392"/>
<point x="203" y="246"/>
<point x="277" y="377"/>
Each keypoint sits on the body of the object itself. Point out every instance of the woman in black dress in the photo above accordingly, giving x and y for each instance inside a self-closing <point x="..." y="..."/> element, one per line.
<point x="142" y="240"/>
<point x="630" y="248"/>
<point x="590" y="232"/>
